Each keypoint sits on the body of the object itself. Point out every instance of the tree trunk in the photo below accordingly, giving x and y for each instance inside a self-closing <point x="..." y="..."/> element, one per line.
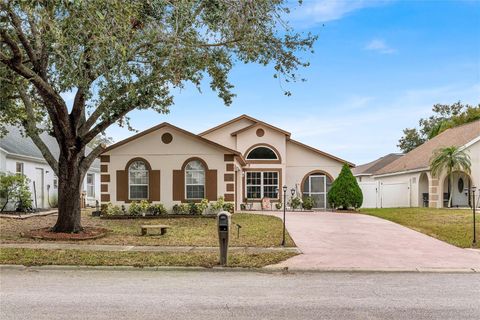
<point x="450" y="190"/>
<point x="70" y="181"/>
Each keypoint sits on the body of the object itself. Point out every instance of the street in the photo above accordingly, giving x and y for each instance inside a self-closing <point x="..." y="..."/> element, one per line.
<point x="111" y="294"/>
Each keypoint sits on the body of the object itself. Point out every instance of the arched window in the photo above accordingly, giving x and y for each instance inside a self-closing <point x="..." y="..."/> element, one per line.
<point x="262" y="153"/>
<point x="138" y="180"/>
<point x="194" y="180"/>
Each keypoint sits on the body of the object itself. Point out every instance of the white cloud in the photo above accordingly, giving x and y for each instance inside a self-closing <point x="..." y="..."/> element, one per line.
<point x="317" y="11"/>
<point x="380" y="46"/>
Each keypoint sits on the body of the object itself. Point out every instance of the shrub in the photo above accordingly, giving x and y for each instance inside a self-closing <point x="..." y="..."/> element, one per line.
<point x="307" y="203"/>
<point x="203" y="205"/>
<point x="217" y="206"/>
<point x="193" y="208"/>
<point x="54" y="201"/>
<point x="345" y="192"/>
<point x="157" y="209"/>
<point x="295" y="202"/>
<point x="278" y="205"/>
<point x="135" y="209"/>
<point x="182" y="208"/>
<point x="229" y="206"/>
<point x="111" y="210"/>
<point x="14" y="188"/>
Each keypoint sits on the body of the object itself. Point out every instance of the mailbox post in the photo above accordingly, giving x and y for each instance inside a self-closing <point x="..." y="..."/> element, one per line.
<point x="223" y="224"/>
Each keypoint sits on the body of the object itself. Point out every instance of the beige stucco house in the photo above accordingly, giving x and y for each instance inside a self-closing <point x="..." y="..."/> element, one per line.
<point x="408" y="182"/>
<point x="244" y="160"/>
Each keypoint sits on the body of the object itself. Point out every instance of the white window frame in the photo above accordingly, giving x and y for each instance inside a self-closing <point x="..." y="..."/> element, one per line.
<point x="276" y="155"/>
<point x="204" y="170"/>
<point x="138" y="184"/>
<point x="91" y="186"/>
<point x="22" y="166"/>
<point x="262" y="185"/>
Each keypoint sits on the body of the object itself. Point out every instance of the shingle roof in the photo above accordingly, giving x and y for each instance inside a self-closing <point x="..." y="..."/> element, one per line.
<point x="374" y="166"/>
<point x="419" y="157"/>
<point x="15" y="143"/>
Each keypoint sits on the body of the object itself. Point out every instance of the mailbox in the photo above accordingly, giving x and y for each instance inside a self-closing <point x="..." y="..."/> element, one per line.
<point x="223" y="224"/>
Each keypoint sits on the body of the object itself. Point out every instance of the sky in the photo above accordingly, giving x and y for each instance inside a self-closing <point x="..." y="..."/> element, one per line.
<point x="378" y="67"/>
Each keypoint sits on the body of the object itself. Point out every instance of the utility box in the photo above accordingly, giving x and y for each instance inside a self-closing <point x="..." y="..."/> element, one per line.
<point x="223" y="226"/>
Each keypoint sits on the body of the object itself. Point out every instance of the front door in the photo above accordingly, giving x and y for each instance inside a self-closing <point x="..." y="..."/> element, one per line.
<point x="39" y="187"/>
<point x="317" y="186"/>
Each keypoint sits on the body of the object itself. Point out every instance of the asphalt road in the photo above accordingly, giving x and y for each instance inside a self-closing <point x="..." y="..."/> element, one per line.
<point x="88" y="294"/>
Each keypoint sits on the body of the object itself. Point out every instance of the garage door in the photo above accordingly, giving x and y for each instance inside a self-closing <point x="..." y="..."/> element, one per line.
<point x="395" y="195"/>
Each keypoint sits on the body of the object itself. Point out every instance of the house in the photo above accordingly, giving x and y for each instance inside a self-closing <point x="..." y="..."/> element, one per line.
<point x="365" y="177"/>
<point x="244" y="160"/>
<point x="408" y="182"/>
<point x="18" y="154"/>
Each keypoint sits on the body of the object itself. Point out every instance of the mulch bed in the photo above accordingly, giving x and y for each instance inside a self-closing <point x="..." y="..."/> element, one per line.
<point x="88" y="233"/>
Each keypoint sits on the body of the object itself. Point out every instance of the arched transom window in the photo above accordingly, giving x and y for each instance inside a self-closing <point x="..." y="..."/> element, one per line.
<point x="195" y="180"/>
<point x="262" y="153"/>
<point x="138" y="180"/>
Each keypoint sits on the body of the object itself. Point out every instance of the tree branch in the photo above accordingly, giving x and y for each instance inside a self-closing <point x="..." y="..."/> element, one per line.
<point x="17" y="24"/>
<point x="32" y="131"/>
<point x="94" y="154"/>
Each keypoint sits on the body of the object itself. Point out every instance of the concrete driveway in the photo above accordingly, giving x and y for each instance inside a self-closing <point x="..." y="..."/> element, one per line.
<point x="343" y="240"/>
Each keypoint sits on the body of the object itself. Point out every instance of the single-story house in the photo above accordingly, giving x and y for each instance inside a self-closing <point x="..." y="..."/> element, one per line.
<point x="243" y="160"/>
<point x="408" y="182"/>
<point x="18" y="154"/>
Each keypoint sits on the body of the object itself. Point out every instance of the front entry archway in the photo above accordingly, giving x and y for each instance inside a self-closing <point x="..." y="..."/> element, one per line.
<point x="316" y="186"/>
<point x="460" y="198"/>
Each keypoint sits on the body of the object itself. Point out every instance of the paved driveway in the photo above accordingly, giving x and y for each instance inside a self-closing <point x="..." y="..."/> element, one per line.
<point x="342" y="240"/>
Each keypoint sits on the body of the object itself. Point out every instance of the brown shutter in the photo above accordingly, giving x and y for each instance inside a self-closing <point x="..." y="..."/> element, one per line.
<point x="211" y="185"/>
<point x="178" y="185"/>
<point x="154" y="185"/>
<point x="122" y="185"/>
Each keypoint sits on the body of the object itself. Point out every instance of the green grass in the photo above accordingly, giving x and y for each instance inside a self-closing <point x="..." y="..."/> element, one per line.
<point x="34" y="257"/>
<point x="449" y="225"/>
<point x="256" y="231"/>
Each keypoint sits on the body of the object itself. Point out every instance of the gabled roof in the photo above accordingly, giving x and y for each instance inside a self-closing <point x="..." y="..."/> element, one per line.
<point x="244" y="116"/>
<point x="15" y="144"/>
<point x="321" y="152"/>
<point x="188" y="133"/>
<point x="372" y="167"/>
<point x="419" y="158"/>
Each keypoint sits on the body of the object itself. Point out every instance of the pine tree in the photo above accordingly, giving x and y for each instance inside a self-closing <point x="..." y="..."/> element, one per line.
<point x="345" y="192"/>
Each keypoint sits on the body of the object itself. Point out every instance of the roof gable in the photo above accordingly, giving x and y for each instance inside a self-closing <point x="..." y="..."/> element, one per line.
<point x="187" y="133"/>
<point x="419" y="158"/>
<point x="372" y="167"/>
<point x="244" y="116"/>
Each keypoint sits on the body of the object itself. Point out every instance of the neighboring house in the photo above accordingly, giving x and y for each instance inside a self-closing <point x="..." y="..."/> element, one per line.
<point x="365" y="177"/>
<point x="244" y="160"/>
<point x="408" y="182"/>
<point x="18" y="154"/>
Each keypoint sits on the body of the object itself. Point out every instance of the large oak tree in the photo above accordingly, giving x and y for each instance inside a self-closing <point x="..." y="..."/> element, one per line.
<point x="117" y="56"/>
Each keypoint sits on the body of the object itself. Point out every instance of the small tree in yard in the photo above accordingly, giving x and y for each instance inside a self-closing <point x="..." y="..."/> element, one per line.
<point x="449" y="159"/>
<point x="14" y="189"/>
<point x="117" y="56"/>
<point x="345" y="192"/>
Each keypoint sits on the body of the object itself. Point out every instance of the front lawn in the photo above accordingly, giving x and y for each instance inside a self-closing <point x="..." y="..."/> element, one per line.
<point x="449" y="225"/>
<point x="34" y="257"/>
<point x="256" y="231"/>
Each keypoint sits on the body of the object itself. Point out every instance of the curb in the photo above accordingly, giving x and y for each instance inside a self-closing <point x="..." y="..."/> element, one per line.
<point x="237" y="269"/>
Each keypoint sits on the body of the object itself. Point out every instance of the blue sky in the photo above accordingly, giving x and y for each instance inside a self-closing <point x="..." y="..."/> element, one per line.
<point x="378" y="67"/>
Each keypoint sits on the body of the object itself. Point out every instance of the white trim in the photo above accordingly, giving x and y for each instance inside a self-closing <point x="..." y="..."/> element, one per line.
<point x="136" y="184"/>
<point x="262" y="146"/>
<point x="402" y="172"/>
<point x="470" y="143"/>
<point x="262" y="185"/>
<point x="191" y="184"/>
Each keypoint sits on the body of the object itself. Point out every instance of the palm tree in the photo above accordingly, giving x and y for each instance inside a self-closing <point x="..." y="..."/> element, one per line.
<point x="450" y="159"/>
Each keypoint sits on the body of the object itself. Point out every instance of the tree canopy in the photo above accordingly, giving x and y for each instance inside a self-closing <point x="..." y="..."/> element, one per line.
<point x="444" y="116"/>
<point x="117" y="56"/>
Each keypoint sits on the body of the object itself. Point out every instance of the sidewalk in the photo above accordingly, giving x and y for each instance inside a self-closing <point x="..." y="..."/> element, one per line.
<point x="117" y="248"/>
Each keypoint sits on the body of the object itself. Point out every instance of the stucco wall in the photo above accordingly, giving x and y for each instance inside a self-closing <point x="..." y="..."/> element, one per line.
<point x="223" y="135"/>
<point x="166" y="158"/>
